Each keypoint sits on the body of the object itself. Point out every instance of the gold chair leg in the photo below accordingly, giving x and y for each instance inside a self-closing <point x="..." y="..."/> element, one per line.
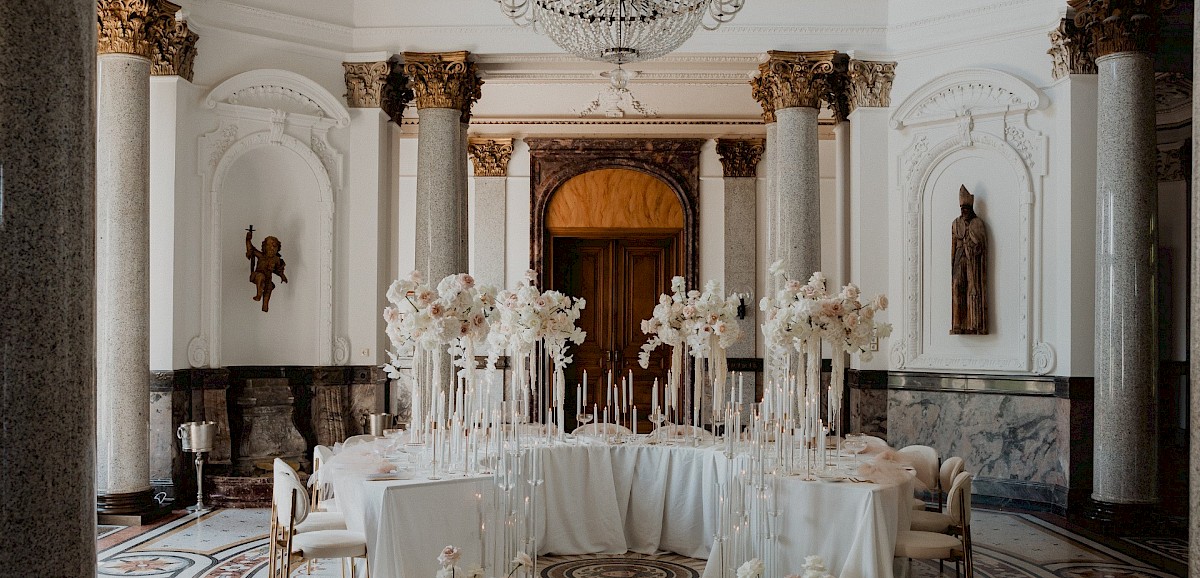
<point x="367" y="563"/>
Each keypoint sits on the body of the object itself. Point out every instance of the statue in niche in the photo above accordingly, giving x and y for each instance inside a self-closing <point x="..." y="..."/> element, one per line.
<point x="263" y="264"/>
<point x="968" y="269"/>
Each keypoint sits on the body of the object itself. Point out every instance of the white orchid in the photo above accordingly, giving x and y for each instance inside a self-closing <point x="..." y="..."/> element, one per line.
<point x="692" y="318"/>
<point x="526" y="316"/>
<point x="456" y="312"/>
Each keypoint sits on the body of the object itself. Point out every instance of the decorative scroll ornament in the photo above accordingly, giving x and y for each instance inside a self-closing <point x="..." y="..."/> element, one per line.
<point x="871" y="83"/>
<point x="490" y="156"/>
<point x="740" y="157"/>
<point x="174" y="49"/>
<point x="443" y="80"/>
<point x="365" y="82"/>
<point x="797" y="79"/>
<point x="1070" y="51"/>
<point x="1120" y="25"/>
<point x="396" y="94"/>
<point x="760" y="89"/>
<point x="123" y="26"/>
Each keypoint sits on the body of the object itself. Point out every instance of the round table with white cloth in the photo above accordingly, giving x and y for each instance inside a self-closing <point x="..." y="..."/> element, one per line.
<point x="600" y="498"/>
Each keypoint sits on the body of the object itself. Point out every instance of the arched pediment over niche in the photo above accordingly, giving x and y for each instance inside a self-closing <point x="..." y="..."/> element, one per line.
<point x="282" y="91"/>
<point x="674" y="162"/>
<point x="971" y="92"/>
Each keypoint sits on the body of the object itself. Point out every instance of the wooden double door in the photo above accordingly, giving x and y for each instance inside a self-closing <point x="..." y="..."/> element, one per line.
<point x="621" y="279"/>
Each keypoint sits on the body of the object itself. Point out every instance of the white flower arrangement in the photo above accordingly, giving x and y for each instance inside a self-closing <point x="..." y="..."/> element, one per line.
<point x="692" y="318"/>
<point x="800" y="312"/>
<point x="525" y="316"/>
<point x="752" y="568"/>
<point x="455" y="315"/>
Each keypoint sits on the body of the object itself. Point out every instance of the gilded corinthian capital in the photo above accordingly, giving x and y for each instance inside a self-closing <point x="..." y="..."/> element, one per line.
<point x="124" y="26"/>
<point x="1069" y="50"/>
<point x="871" y="83"/>
<point x="443" y="80"/>
<point x="1120" y="25"/>
<point x="174" y="46"/>
<point x="797" y="79"/>
<point x="739" y="157"/>
<point x="490" y="156"/>
<point x="364" y="83"/>
<point x="761" y="91"/>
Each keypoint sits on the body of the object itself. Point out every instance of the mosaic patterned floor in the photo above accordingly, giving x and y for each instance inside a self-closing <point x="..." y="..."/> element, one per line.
<point x="232" y="544"/>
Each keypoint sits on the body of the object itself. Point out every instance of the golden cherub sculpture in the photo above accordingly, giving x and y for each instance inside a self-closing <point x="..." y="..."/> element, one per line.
<point x="263" y="264"/>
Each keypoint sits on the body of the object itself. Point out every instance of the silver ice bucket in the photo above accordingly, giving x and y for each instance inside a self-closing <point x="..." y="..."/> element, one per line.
<point x="197" y="436"/>
<point x="380" y="422"/>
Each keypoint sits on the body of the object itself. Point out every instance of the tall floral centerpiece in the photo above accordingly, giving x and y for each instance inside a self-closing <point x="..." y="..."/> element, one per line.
<point x="701" y="324"/>
<point x="452" y="319"/>
<point x="525" y="317"/>
<point x="798" y="318"/>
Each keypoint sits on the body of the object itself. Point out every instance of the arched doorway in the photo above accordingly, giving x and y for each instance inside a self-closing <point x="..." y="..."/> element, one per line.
<point x="612" y="220"/>
<point x="615" y="238"/>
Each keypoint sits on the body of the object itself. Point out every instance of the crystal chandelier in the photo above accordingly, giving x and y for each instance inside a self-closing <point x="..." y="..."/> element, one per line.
<point x="620" y="31"/>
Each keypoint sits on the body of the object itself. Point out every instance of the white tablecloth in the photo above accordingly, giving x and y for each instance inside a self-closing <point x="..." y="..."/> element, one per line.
<point x="614" y="499"/>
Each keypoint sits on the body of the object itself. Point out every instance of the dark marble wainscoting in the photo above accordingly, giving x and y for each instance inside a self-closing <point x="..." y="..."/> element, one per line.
<point x="1026" y="438"/>
<point x="328" y="404"/>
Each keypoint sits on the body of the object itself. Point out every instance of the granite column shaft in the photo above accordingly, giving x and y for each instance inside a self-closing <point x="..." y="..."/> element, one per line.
<point x="47" y="275"/>
<point x="122" y="283"/>
<point x="798" y="183"/>
<point x="1194" y="333"/>
<point x="1126" y="342"/>
<point x="440" y="200"/>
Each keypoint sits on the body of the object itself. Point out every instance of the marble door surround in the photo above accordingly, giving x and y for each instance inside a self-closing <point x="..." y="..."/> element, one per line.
<point x="676" y="162"/>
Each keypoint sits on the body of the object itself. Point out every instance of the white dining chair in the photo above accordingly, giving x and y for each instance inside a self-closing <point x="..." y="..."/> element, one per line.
<point x="938" y="521"/>
<point x="320" y="487"/>
<point x="608" y="429"/>
<point x="951" y="467"/>
<point x="315" y="521"/>
<point x="924" y="460"/>
<point x="956" y="546"/>
<point x="682" y="431"/>
<point x="290" y="503"/>
<point x="358" y="439"/>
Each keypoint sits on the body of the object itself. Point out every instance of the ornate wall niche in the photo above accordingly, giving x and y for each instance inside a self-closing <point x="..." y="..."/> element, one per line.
<point x="977" y="116"/>
<point x="676" y="162"/>
<point x="255" y="110"/>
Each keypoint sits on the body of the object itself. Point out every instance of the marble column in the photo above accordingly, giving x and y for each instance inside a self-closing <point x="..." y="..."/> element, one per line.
<point x="739" y="159"/>
<point x="490" y="157"/>
<point x="795" y="83"/>
<point x="1126" y="336"/>
<point x="47" y="272"/>
<point x="444" y="86"/>
<point x="128" y="33"/>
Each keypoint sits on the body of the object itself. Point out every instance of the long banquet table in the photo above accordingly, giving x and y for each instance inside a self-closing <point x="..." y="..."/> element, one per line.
<point x="620" y="498"/>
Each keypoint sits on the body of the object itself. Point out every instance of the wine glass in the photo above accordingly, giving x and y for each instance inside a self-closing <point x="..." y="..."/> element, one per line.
<point x="584" y="418"/>
<point x="855" y="444"/>
<point x="657" y="418"/>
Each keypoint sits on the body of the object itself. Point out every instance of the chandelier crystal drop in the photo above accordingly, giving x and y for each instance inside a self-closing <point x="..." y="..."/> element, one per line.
<point x="620" y="31"/>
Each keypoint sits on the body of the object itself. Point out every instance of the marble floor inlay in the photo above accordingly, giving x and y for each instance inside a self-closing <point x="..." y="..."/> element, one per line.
<point x="232" y="543"/>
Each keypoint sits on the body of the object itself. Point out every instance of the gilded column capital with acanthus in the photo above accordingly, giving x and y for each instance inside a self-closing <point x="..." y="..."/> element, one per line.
<point x="124" y="26"/>
<point x="739" y="157"/>
<point x="761" y="91"/>
<point x="1120" y="25"/>
<point x="1069" y="50"/>
<point x="396" y="94"/>
<point x="490" y="156"/>
<point x="796" y="79"/>
<point x="173" y="52"/>
<point x="871" y="83"/>
<point x="443" y="80"/>
<point x="365" y="82"/>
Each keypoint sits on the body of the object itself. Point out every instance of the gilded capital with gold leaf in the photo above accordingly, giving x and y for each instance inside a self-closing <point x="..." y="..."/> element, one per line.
<point x="443" y="80"/>
<point x="490" y="156"/>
